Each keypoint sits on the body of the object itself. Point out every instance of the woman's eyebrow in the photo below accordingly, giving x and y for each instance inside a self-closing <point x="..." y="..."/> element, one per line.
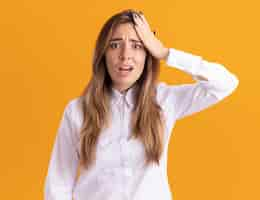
<point x="119" y="39"/>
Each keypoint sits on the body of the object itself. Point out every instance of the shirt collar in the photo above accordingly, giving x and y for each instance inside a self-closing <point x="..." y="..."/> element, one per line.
<point x="127" y="96"/>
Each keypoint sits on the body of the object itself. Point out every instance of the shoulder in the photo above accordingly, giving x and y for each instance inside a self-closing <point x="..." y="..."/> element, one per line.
<point x="164" y="90"/>
<point x="73" y="109"/>
<point x="74" y="104"/>
<point x="169" y="92"/>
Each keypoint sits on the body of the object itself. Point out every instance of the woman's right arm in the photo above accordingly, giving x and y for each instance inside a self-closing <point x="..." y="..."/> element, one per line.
<point x="62" y="170"/>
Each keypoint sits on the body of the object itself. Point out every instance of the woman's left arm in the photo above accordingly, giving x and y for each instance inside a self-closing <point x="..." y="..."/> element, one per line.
<point x="213" y="83"/>
<point x="219" y="80"/>
<point x="214" y="76"/>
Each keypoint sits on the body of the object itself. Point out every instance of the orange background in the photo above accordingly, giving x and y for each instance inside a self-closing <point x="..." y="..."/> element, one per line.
<point x="46" y="49"/>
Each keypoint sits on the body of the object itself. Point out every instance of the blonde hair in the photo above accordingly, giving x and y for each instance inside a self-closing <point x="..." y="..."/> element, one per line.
<point x="147" y="122"/>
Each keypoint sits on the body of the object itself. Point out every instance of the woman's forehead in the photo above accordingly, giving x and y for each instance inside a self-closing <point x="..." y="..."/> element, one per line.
<point x="125" y="31"/>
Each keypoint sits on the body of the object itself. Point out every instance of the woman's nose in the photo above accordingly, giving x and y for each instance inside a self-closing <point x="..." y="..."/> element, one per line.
<point x="126" y="52"/>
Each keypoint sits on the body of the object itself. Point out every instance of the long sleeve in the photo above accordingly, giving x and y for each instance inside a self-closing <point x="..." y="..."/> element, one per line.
<point x="213" y="83"/>
<point x="63" y="164"/>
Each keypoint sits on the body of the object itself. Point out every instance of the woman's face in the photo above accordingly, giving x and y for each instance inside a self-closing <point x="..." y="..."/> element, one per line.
<point x="125" y="50"/>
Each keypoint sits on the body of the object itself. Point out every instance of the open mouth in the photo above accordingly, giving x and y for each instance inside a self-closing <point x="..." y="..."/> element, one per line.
<point x="126" y="68"/>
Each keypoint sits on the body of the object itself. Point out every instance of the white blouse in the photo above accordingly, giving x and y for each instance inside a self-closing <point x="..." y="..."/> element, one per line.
<point x="119" y="172"/>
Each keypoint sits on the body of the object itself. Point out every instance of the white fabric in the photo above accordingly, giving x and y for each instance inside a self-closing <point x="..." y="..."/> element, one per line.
<point x="119" y="172"/>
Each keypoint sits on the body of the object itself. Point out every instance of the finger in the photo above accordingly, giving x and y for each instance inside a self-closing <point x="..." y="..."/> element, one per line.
<point x="144" y="19"/>
<point x="140" y="22"/>
<point x="139" y="32"/>
<point x="138" y="19"/>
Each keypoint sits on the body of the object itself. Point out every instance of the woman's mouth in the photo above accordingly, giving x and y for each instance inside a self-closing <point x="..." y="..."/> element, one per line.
<point x="125" y="70"/>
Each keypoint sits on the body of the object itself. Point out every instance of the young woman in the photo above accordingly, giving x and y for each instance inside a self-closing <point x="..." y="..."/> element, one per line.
<point x="118" y="130"/>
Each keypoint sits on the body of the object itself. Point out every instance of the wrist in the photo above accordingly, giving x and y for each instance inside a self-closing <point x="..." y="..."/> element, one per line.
<point x="166" y="54"/>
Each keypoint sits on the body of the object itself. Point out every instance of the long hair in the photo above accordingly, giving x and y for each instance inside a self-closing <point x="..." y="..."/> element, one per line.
<point x="147" y="122"/>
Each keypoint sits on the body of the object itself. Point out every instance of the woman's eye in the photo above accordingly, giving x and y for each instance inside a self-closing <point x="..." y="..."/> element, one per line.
<point x="138" y="46"/>
<point x="116" y="45"/>
<point x="113" y="45"/>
